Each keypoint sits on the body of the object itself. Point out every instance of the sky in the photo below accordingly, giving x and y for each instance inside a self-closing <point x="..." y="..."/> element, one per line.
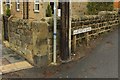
<point x="73" y="0"/>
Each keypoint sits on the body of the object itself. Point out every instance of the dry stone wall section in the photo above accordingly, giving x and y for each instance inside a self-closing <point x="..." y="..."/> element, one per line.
<point x="104" y="22"/>
<point x="34" y="40"/>
<point x="29" y="39"/>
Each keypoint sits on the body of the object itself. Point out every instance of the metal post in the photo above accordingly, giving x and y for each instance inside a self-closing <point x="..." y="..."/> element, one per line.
<point x="70" y="15"/>
<point x="1" y="7"/>
<point x="54" y="34"/>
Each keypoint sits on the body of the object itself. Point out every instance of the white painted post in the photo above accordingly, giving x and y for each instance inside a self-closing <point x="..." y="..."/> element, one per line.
<point x="1" y="7"/>
<point x="70" y="28"/>
<point x="54" y="35"/>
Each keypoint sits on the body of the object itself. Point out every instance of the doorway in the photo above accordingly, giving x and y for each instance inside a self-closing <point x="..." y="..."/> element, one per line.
<point x="25" y="9"/>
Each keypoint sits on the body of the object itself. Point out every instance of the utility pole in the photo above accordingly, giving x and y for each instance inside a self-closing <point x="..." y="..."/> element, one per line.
<point x="65" y="32"/>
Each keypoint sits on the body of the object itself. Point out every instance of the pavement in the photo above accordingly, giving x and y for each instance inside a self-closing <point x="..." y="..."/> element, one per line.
<point x="101" y="63"/>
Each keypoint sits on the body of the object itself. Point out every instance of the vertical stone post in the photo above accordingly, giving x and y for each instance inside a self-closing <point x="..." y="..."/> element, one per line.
<point x="87" y="39"/>
<point x="74" y="43"/>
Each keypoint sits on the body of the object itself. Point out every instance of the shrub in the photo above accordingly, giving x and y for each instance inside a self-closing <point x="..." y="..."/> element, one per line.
<point x="95" y="7"/>
<point x="8" y="12"/>
<point x="48" y="11"/>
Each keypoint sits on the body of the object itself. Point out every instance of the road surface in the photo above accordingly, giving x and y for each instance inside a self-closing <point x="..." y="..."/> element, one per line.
<point x="101" y="63"/>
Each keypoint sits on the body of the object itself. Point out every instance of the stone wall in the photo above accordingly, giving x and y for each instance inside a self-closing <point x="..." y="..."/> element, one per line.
<point x="29" y="39"/>
<point x="34" y="40"/>
<point x="104" y="22"/>
<point x="79" y="8"/>
<point x="101" y="23"/>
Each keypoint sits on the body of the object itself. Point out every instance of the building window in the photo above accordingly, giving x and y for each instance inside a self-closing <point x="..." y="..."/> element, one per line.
<point x="36" y="6"/>
<point x="8" y="3"/>
<point x="17" y="5"/>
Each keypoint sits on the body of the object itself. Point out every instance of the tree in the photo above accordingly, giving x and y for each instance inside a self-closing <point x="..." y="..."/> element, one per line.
<point x="95" y="7"/>
<point x="48" y="11"/>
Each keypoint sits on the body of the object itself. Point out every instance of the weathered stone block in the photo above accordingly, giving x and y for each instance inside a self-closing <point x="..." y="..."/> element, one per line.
<point x="41" y="60"/>
<point x="29" y="38"/>
<point x="18" y="43"/>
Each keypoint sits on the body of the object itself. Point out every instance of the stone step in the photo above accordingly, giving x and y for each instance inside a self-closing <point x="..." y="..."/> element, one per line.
<point x="15" y="67"/>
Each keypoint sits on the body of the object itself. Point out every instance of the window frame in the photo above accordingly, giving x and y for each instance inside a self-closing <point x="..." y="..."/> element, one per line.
<point x="8" y="2"/>
<point x="36" y="3"/>
<point x="17" y="5"/>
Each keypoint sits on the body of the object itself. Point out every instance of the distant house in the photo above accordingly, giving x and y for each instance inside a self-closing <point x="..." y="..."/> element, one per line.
<point x="37" y="10"/>
<point x="26" y="10"/>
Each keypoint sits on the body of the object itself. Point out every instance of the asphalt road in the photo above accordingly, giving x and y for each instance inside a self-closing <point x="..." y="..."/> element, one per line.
<point x="101" y="63"/>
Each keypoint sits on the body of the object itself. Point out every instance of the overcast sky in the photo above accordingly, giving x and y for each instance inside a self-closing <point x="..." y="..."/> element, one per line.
<point x="71" y="0"/>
